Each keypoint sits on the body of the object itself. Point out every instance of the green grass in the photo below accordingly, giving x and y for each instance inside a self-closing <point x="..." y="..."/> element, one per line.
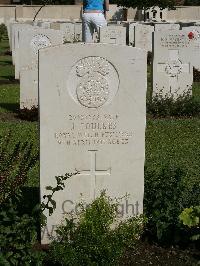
<point x="6" y="67"/>
<point x="24" y="132"/>
<point x="175" y="141"/>
<point x="4" y="46"/>
<point x="9" y="95"/>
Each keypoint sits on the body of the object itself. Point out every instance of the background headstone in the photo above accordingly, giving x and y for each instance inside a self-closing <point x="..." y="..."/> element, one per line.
<point x="172" y="68"/>
<point x="17" y="28"/>
<point x="193" y="33"/>
<point x="113" y="34"/>
<point x="143" y="36"/>
<point x="78" y="32"/>
<point x="166" y="26"/>
<point x="30" y="41"/>
<point x="69" y="31"/>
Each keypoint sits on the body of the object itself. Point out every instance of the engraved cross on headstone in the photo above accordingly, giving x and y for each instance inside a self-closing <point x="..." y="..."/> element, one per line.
<point x="93" y="172"/>
<point x="173" y="68"/>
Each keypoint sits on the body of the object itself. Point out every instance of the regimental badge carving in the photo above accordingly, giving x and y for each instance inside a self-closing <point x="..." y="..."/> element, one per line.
<point x="39" y="41"/>
<point x="93" y="89"/>
<point x="95" y="82"/>
<point x="173" y="68"/>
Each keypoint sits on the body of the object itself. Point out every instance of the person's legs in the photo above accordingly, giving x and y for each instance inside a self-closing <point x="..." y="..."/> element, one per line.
<point x="88" y="28"/>
<point x="99" y="21"/>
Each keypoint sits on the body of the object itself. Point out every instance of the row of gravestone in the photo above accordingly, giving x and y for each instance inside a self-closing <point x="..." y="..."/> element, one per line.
<point x="92" y="104"/>
<point x="92" y="120"/>
<point x="175" y="53"/>
<point x="137" y="34"/>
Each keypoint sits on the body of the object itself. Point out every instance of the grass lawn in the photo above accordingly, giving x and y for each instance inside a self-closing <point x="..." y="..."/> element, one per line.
<point x="9" y="95"/>
<point x="6" y="67"/>
<point x="176" y="141"/>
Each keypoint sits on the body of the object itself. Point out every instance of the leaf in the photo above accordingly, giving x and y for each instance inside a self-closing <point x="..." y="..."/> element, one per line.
<point x="49" y="188"/>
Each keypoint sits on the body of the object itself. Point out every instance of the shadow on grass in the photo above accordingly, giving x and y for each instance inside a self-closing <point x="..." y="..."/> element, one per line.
<point x="15" y="113"/>
<point x="8" y="82"/>
<point x="10" y="78"/>
<point x="5" y="62"/>
<point x="11" y="107"/>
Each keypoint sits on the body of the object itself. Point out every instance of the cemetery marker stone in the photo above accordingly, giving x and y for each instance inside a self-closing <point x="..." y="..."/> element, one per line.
<point x="78" y="32"/>
<point x="166" y="26"/>
<point x="92" y="121"/>
<point x="172" y="69"/>
<point x="193" y="33"/>
<point x="115" y="34"/>
<point x="143" y="36"/>
<point x="31" y="40"/>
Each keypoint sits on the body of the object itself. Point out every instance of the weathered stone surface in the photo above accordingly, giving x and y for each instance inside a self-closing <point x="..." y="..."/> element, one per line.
<point x="172" y="67"/>
<point x="143" y="36"/>
<point x="30" y="41"/>
<point x="92" y="120"/>
<point x="193" y="33"/>
<point x="113" y="34"/>
<point x="78" y="32"/>
<point x="166" y="26"/>
<point x="16" y="29"/>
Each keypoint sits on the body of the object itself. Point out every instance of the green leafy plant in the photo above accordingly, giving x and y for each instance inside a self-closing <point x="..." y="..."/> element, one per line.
<point x="191" y="218"/>
<point x="183" y="106"/>
<point x="167" y="192"/>
<point x="18" y="234"/>
<point x="14" y="165"/>
<point x="49" y="203"/>
<point x="18" y="227"/>
<point x="95" y="236"/>
<point x="19" y="223"/>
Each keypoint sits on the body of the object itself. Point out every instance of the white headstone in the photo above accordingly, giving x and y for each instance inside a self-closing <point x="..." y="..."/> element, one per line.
<point x="69" y="31"/>
<point x="31" y="40"/>
<point x="78" y="32"/>
<point x="166" y="26"/>
<point x="92" y="120"/>
<point x="16" y="29"/>
<point x="113" y="34"/>
<point x="11" y="38"/>
<point x="193" y="33"/>
<point x="44" y="24"/>
<point x="143" y="36"/>
<point x="172" y="68"/>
